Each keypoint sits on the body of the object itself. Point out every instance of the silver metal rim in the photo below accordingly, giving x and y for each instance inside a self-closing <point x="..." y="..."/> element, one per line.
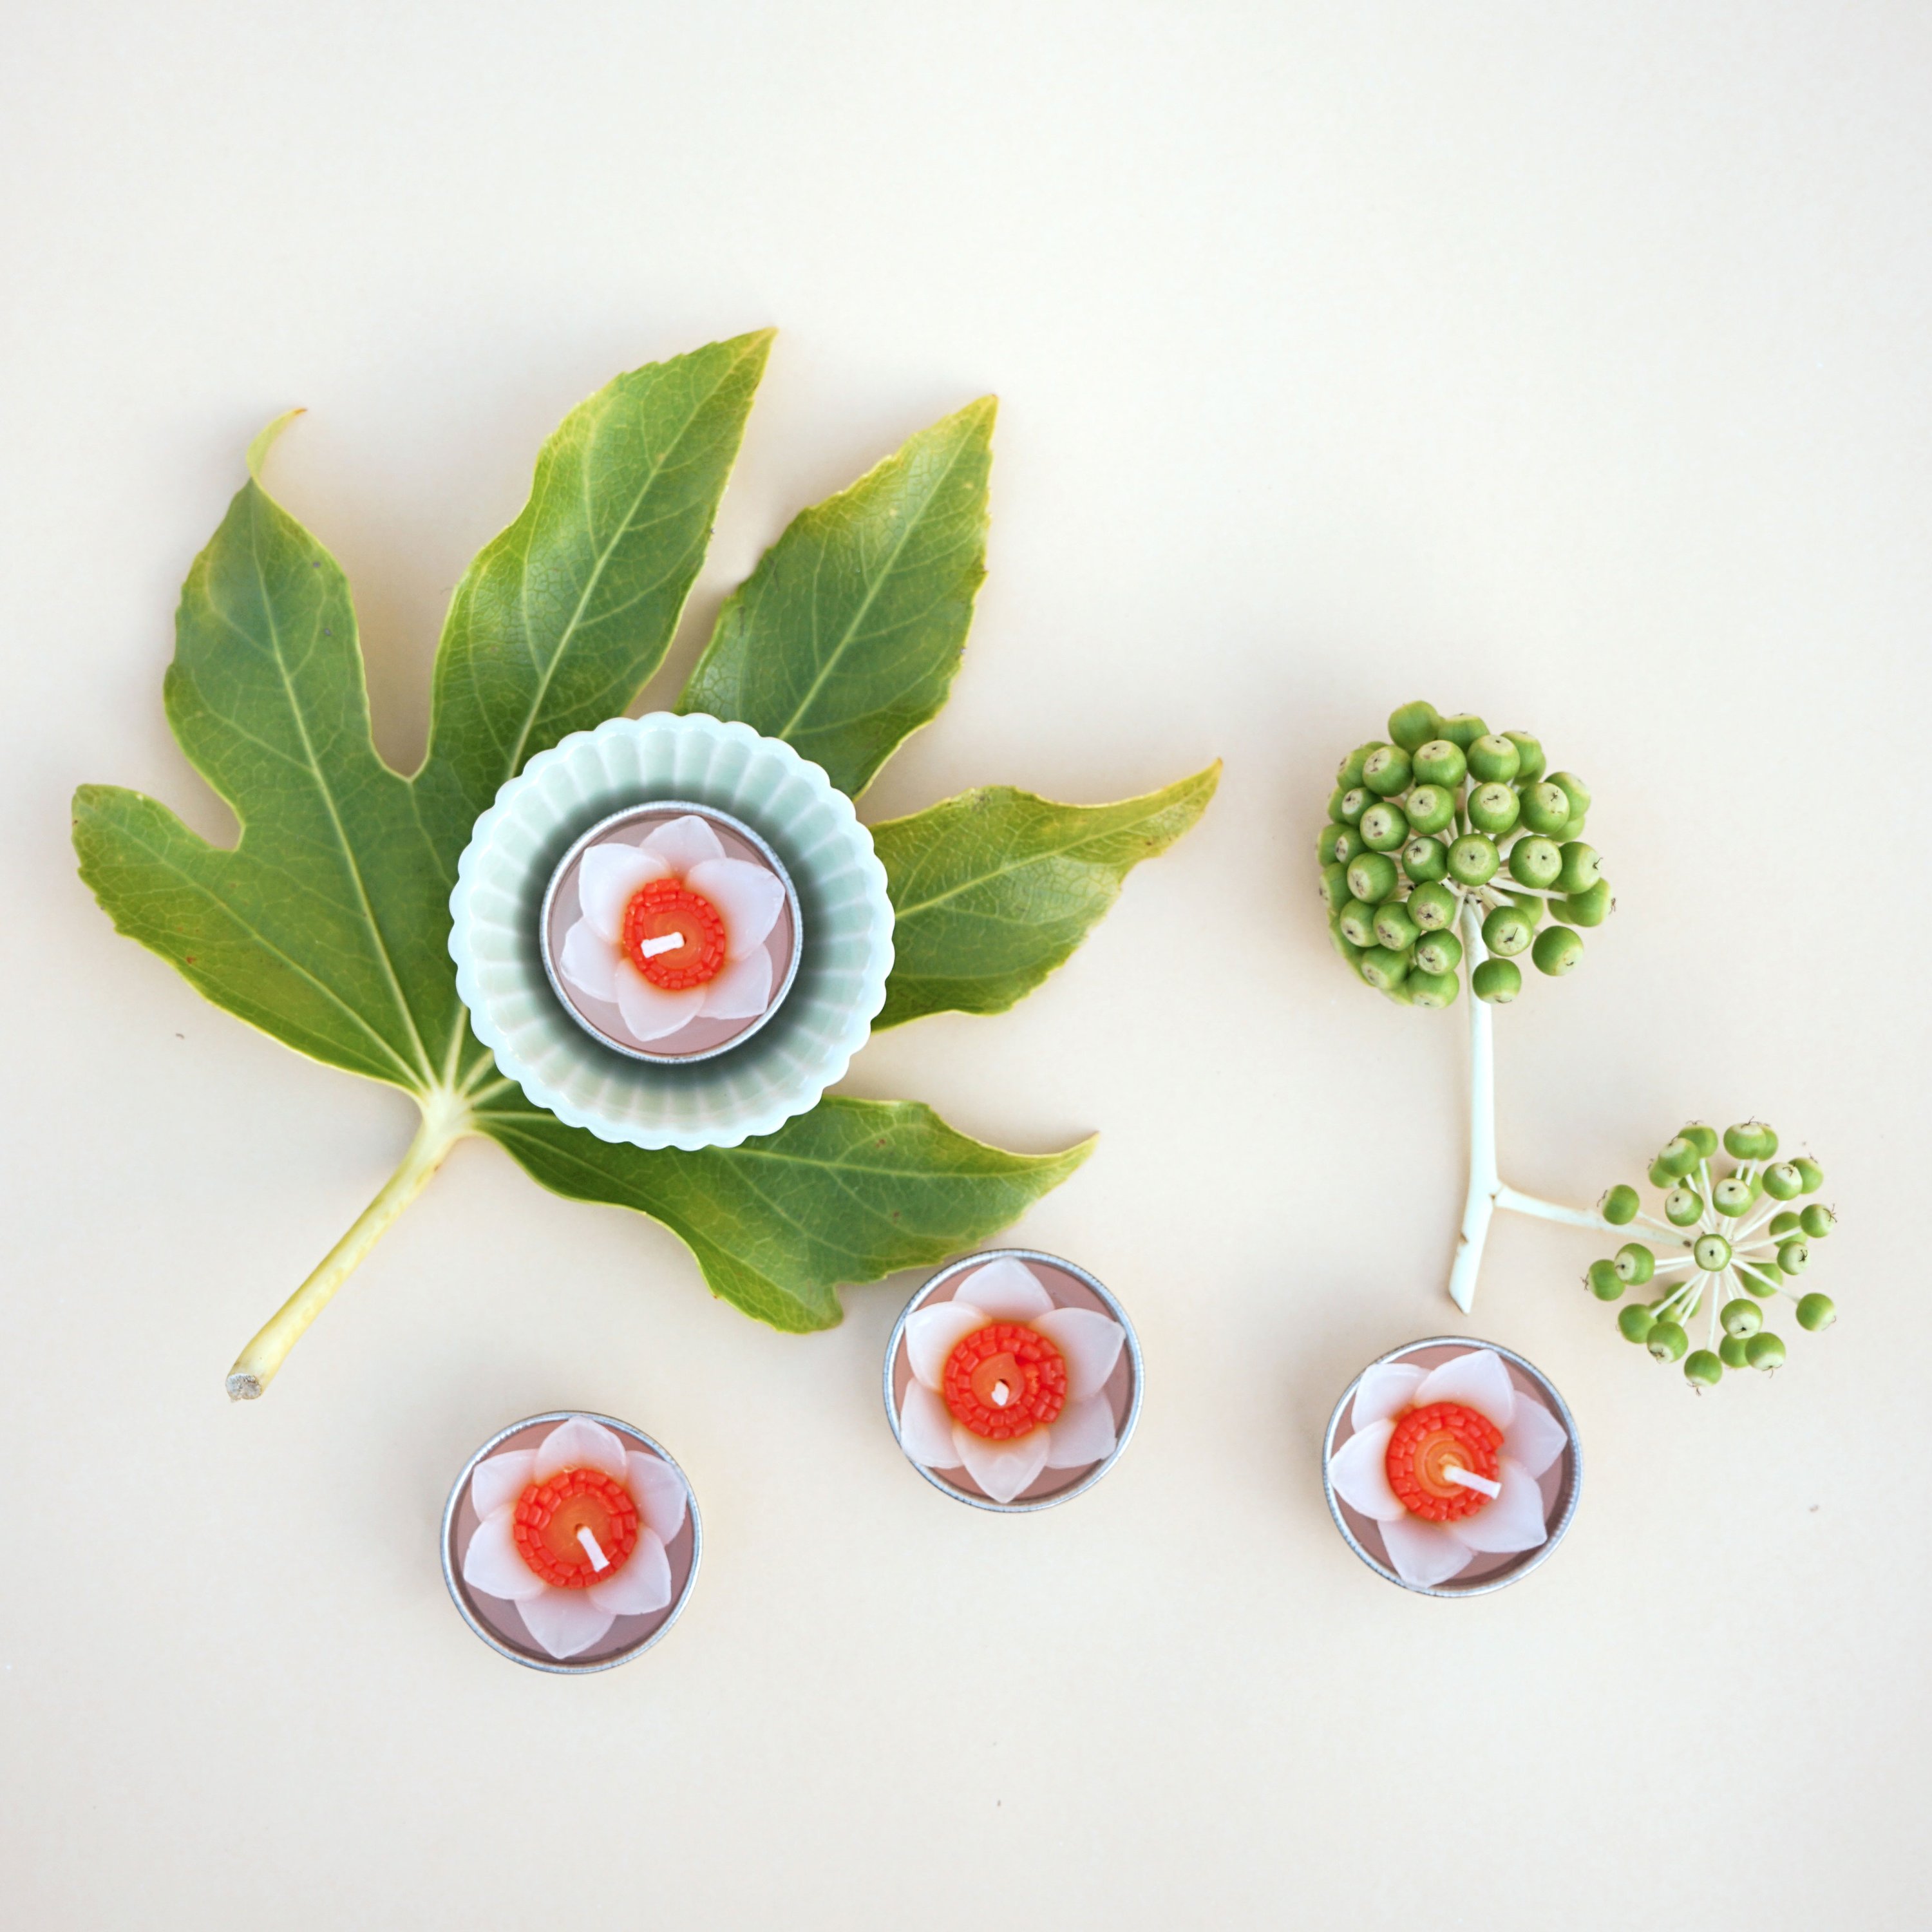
<point x="1018" y="1507"/>
<point x="563" y="1666"/>
<point x="1483" y="1586"/>
<point x="590" y="837"/>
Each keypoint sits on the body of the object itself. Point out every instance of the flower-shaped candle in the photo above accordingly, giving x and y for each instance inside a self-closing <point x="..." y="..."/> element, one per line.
<point x="671" y="931"/>
<point x="1452" y="1466"/>
<point x="1012" y="1380"/>
<point x="570" y="1542"/>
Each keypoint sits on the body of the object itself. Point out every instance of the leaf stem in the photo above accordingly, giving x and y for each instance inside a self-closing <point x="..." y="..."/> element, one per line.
<point x="446" y="1119"/>
<point x="1485" y="1183"/>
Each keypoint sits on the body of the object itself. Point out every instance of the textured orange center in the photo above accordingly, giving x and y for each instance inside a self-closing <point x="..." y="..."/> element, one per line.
<point x="1005" y="1380"/>
<point x="1426" y="1445"/>
<point x="549" y="1514"/>
<point x="662" y="908"/>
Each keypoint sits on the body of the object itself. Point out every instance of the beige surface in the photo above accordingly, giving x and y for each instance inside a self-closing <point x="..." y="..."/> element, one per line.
<point x="1565" y="363"/>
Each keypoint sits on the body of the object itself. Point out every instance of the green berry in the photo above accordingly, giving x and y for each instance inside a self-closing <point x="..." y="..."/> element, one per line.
<point x="1385" y="771"/>
<point x="1557" y="951"/>
<point x="1741" y="1317"/>
<point x="1794" y="1257"/>
<point x="1603" y="1281"/>
<point x="1412" y="725"/>
<point x="1433" y="907"/>
<point x="1760" y="1278"/>
<point x="1765" y="1351"/>
<point x="1782" y="1181"/>
<point x="1682" y="1206"/>
<point x="1750" y="1140"/>
<point x="1590" y="908"/>
<point x="1336" y="814"/>
<point x="1635" y="1264"/>
<point x="1732" y="1197"/>
<point x="1385" y="969"/>
<point x="1464" y="729"/>
<point x="1713" y="1253"/>
<point x="1678" y="1157"/>
<point x="1348" y="773"/>
<point x="1498" y="981"/>
<point x="1506" y="932"/>
<point x="1349" y="844"/>
<point x="1702" y="1369"/>
<point x="1733" y="1352"/>
<point x="1440" y="762"/>
<point x="1473" y="859"/>
<point x="1531" y="762"/>
<point x="1325" y="843"/>
<point x="1355" y="801"/>
<point x="1373" y="877"/>
<point x="1810" y="1173"/>
<point x="1494" y="760"/>
<point x="1817" y="1311"/>
<point x="1666" y="1341"/>
<point x="1425" y="988"/>
<point x="1429" y="808"/>
<point x="1817" y="1220"/>
<point x="1440" y="952"/>
<point x="1394" y="928"/>
<point x="1357" y="920"/>
<point x="1581" y="868"/>
<point x="1384" y="826"/>
<point x="1703" y="1139"/>
<point x="1573" y="789"/>
<point x="1535" y="862"/>
<point x="1425" y="860"/>
<point x="1635" y="1322"/>
<point x="1335" y="886"/>
<point x="1786" y="1223"/>
<point x="1619" y="1206"/>
<point x="1546" y="809"/>
<point x="1493" y="809"/>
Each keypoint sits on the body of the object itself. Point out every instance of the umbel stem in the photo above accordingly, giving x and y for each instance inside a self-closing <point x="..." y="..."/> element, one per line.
<point x="446" y="1119"/>
<point x="1488" y="1191"/>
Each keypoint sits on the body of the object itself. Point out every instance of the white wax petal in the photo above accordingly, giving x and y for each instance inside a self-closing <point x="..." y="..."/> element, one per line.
<point x="608" y="878"/>
<point x="685" y="842"/>
<point x="925" y="1428"/>
<point x="1007" y="1290"/>
<point x="659" y="1493"/>
<point x="643" y="1585"/>
<point x="748" y="898"/>
<point x="933" y="1332"/>
<point x="1091" y="1342"/>
<point x="1002" y="1469"/>
<point x="564" y="1622"/>
<point x="1477" y="1380"/>
<point x="499" y="1479"/>
<point x="1359" y="1471"/>
<point x="579" y="1443"/>
<point x="1083" y="1433"/>
<point x="1423" y="1552"/>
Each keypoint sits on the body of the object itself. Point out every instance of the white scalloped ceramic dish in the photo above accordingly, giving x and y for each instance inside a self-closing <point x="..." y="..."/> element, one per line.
<point x="782" y="1069"/>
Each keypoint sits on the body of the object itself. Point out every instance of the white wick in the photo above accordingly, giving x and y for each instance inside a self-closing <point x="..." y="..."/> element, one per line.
<point x="599" y="1560"/>
<point x="668" y="942"/>
<point x="1471" y="1481"/>
<point x="1002" y="1395"/>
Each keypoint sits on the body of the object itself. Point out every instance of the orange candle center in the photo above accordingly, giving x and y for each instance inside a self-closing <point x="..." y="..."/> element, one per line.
<point x="564" y="1525"/>
<point x="1430" y="1443"/>
<point x="667" y="910"/>
<point x="1005" y="1380"/>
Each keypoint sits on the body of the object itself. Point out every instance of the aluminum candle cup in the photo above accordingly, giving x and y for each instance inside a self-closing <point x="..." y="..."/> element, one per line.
<point x="570" y="1542"/>
<point x="700" y="846"/>
<point x="1012" y="1380"/>
<point x="1451" y="1466"/>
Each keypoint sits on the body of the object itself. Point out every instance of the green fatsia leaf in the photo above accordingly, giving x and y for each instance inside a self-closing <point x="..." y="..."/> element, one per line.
<point x="993" y="890"/>
<point x="846" y="1193"/>
<point x="560" y="620"/>
<point x="846" y="637"/>
<point x="317" y="926"/>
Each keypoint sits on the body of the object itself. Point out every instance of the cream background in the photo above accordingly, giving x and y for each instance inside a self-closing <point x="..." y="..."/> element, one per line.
<point x="1564" y="363"/>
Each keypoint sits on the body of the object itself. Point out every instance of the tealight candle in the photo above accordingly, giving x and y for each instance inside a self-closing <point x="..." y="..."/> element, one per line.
<point x="670" y="931"/>
<point x="1451" y="1467"/>
<point x="570" y="1542"/>
<point x="1012" y="1380"/>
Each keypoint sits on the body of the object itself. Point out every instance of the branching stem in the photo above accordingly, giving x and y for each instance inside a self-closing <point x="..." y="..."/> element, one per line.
<point x="446" y="1118"/>
<point x="1488" y="1190"/>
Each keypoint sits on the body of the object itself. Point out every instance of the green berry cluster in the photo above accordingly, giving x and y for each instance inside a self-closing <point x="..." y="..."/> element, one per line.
<point x="1736" y="1241"/>
<point x="1446" y="816"/>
